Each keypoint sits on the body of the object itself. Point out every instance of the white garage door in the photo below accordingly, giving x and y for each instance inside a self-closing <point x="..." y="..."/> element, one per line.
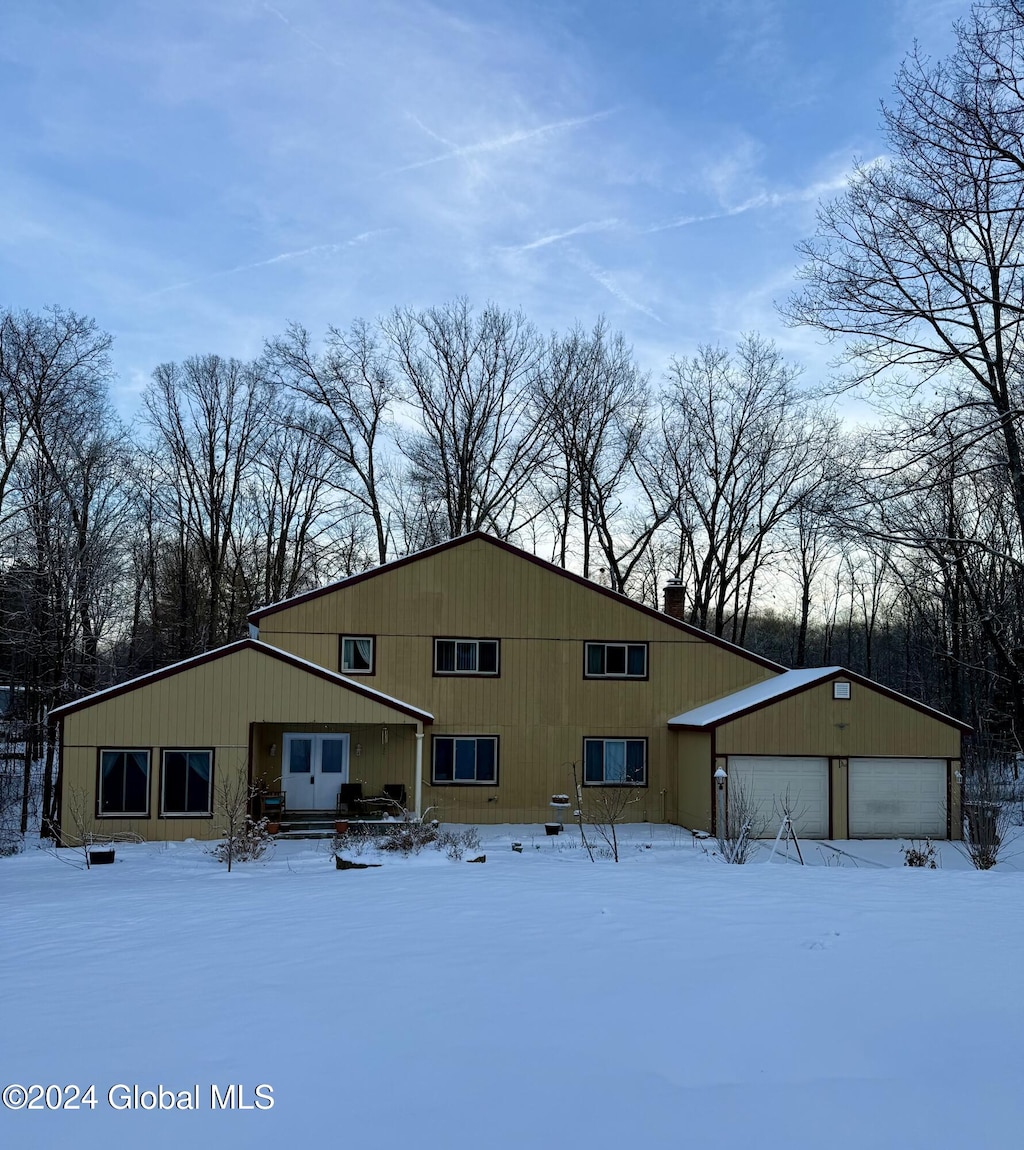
<point x="774" y="782"/>
<point x="897" y="798"/>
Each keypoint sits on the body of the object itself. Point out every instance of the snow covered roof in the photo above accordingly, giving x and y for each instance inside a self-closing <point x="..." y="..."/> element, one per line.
<point x="730" y="706"/>
<point x="790" y="683"/>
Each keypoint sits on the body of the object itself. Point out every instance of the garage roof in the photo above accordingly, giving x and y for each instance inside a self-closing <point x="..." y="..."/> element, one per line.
<point x="713" y="714"/>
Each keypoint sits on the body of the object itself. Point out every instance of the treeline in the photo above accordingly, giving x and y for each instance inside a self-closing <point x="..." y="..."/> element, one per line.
<point x="895" y="550"/>
<point x="240" y="483"/>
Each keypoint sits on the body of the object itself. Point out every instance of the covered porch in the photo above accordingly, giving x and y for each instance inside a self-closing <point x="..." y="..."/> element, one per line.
<point x="364" y="772"/>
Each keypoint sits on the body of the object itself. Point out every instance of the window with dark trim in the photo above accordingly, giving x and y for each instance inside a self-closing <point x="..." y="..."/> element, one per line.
<point x="123" y="785"/>
<point x="615" y="762"/>
<point x="186" y="784"/>
<point x="465" y="759"/>
<point x="466" y="656"/>
<point x="615" y="661"/>
<point x="357" y="655"/>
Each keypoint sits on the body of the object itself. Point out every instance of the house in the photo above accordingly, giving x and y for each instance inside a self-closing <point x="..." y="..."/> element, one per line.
<point x="479" y="678"/>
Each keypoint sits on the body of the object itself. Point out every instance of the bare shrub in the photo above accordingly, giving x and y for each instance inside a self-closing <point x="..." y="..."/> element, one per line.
<point x="745" y="823"/>
<point x="243" y="839"/>
<point x="408" y="838"/>
<point x="604" y="808"/>
<point x="920" y="854"/>
<point x="247" y="843"/>
<point x="11" y="839"/>
<point x="986" y="817"/>
<point x="353" y="841"/>
<point x="456" y="843"/>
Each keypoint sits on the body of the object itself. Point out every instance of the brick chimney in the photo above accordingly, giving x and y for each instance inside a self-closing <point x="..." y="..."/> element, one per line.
<point x="675" y="599"/>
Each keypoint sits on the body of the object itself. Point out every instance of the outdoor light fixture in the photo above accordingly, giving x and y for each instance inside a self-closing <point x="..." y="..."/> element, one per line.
<point x="720" y="777"/>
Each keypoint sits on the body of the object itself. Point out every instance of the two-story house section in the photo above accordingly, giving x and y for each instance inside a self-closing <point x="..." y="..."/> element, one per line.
<point x="475" y="681"/>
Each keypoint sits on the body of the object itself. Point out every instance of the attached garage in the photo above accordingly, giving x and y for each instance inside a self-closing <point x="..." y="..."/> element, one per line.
<point x="856" y="759"/>
<point x="898" y="798"/>
<point x="775" y="782"/>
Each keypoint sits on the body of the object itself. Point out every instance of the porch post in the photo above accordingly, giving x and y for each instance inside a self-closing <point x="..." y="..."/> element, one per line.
<point x="419" y="769"/>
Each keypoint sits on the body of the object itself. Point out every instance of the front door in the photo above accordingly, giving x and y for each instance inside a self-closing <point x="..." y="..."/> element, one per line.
<point x="315" y="766"/>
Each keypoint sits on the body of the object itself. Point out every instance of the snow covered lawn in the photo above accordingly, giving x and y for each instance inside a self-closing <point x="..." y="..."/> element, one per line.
<point x="538" y="1000"/>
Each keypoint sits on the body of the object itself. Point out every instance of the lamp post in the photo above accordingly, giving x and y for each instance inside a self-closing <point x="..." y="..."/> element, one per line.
<point x="720" y="780"/>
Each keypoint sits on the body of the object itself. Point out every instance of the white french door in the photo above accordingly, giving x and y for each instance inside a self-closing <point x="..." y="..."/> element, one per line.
<point x="314" y="768"/>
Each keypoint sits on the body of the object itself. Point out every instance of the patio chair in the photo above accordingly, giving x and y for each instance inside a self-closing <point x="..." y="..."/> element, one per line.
<point x="396" y="793"/>
<point x="350" y="795"/>
<point x="272" y="805"/>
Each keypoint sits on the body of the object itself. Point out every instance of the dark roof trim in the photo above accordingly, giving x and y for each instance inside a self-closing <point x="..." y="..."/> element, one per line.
<point x="352" y="580"/>
<point x="839" y="673"/>
<point x="233" y="649"/>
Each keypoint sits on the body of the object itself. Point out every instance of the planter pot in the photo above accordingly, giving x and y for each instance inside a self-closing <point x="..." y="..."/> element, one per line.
<point x="99" y="858"/>
<point x="552" y="828"/>
<point x="341" y="827"/>
<point x="273" y="828"/>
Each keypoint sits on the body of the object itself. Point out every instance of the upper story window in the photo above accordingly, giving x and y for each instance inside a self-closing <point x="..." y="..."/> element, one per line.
<point x="466" y="656"/>
<point x="357" y="654"/>
<point x="615" y="661"/>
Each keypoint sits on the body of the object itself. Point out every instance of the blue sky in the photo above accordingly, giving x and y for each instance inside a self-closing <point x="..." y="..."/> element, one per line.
<point x="195" y="174"/>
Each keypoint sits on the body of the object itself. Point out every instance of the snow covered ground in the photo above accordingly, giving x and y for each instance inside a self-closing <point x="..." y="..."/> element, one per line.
<point x="538" y="1000"/>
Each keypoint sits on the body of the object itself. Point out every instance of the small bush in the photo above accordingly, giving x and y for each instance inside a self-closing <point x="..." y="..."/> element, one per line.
<point x="408" y="838"/>
<point x="247" y="844"/>
<point x="456" y="843"/>
<point x="351" y="842"/>
<point x="920" y="854"/>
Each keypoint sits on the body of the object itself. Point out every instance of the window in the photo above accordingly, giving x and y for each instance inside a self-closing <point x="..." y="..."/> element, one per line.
<point x="465" y="656"/>
<point x="615" y="661"/>
<point x="357" y="653"/>
<point x="186" y="784"/>
<point x="124" y="784"/>
<point x="466" y="759"/>
<point x="615" y="762"/>
<point x="840" y="690"/>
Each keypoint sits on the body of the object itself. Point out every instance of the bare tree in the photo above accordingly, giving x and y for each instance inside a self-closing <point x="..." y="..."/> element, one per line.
<point x="596" y="407"/>
<point x="210" y="419"/>
<point x="918" y="268"/>
<point x="604" y="808"/>
<point x="744" y="450"/>
<point x="350" y="389"/>
<point x="471" y="379"/>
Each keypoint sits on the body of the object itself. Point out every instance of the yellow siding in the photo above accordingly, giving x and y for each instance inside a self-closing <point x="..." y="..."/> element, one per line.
<point x="695" y="771"/>
<point x="540" y="706"/>
<point x="211" y="705"/>
<point x="813" y="723"/>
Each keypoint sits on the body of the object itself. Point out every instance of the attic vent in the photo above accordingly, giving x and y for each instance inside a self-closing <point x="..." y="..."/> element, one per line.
<point x="840" y="690"/>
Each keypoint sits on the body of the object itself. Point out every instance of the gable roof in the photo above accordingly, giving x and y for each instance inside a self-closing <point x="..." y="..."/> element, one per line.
<point x="561" y="572"/>
<point x="753" y="698"/>
<point x="233" y="649"/>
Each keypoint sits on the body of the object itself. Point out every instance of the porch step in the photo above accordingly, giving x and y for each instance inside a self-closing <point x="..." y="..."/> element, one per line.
<point x="306" y="825"/>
